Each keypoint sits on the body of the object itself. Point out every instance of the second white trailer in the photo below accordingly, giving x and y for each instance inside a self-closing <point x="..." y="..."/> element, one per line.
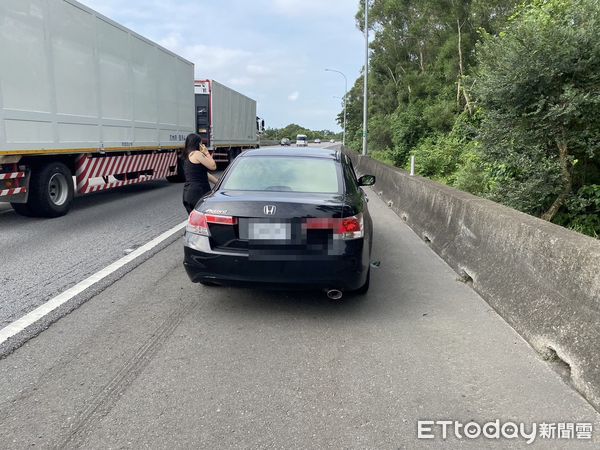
<point x="225" y="119"/>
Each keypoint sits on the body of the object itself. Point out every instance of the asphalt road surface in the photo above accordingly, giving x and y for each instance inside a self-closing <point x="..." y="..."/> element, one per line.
<point x="41" y="257"/>
<point x="152" y="360"/>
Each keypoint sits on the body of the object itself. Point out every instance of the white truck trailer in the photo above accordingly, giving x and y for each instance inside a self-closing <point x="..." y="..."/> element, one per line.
<point x="225" y="119"/>
<point x="83" y="97"/>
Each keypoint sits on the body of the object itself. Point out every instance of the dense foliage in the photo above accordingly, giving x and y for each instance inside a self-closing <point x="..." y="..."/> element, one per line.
<point x="494" y="97"/>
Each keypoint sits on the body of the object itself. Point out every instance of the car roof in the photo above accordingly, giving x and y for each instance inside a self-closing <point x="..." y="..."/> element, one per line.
<point x="313" y="152"/>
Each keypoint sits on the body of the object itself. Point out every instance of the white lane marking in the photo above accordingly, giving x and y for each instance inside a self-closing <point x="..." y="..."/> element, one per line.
<point x="30" y="318"/>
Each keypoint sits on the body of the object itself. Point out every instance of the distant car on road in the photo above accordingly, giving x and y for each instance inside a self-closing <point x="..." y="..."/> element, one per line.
<point x="285" y="141"/>
<point x="284" y="219"/>
<point x="332" y="140"/>
<point x="301" y="140"/>
<point x="317" y="141"/>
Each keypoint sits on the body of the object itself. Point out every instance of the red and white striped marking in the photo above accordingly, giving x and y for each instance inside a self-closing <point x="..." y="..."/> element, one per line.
<point x="19" y="190"/>
<point x="12" y="175"/>
<point x="88" y="168"/>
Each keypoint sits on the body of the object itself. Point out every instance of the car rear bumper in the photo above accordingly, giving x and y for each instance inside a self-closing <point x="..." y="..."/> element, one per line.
<point x="345" y="272"/>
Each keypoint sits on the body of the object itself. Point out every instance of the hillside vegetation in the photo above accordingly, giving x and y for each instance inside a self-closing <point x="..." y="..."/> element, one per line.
<point x="495" y="97"/>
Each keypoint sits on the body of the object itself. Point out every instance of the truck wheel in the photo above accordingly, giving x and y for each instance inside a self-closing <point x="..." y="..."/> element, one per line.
<point x="50" y="190"/>
<point x="176" y="178"/>
<point x="22" y="209"/>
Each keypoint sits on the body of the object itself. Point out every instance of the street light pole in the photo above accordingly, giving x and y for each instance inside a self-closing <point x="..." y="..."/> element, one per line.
<point x="345" y="95"/>
<point x="365" y="112"/>
<point x="344" y="129"/>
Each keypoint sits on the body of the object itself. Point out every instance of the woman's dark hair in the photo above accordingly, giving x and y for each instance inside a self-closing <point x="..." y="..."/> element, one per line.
<point x="192" y="143"/>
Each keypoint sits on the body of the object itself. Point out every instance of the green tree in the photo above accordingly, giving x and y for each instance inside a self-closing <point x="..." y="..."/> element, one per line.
<point x="292" y="130"/>
<point x="421" y="51"/>
<point x="538" y="83"/>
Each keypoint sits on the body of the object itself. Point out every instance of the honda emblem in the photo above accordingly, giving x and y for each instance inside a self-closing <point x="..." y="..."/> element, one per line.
<point x="269" y="210"/>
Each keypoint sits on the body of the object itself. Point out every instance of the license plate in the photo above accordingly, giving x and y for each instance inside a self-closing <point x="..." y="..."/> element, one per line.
<point x="269" y="231"/>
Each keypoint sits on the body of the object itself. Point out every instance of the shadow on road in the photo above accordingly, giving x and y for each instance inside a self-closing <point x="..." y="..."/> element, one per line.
<point x="250" y="303"/>
<point x="98" y="198"/>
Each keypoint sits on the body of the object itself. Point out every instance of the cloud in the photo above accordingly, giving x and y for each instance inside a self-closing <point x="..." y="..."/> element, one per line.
<point x="280" y="53"/>
<point x="309" y="8"/>
<point x="255" y="69"/>
<point x="214" y="57"/>
<point x="237" y="65"/>
<point x="241" y="81"/>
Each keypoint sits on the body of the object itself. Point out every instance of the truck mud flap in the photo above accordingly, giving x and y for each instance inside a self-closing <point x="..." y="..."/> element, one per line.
<point x="14" y="182"/>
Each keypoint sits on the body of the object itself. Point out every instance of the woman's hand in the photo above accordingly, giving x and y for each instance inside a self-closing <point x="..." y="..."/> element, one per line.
<point x="202" y="156"/>
<point x="212" y="179"/>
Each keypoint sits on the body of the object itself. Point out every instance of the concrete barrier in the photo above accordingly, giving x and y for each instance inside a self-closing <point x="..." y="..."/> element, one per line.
<point x="543" y="279"/>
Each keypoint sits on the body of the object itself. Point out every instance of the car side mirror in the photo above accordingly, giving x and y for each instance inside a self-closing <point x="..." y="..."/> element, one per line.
<point x="366" y="180"/>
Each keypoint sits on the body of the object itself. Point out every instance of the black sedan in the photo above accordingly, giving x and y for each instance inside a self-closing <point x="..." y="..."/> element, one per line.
<point x="284" y="219"/>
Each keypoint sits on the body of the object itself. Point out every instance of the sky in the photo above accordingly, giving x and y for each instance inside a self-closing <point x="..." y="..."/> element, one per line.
<point x="274" y="51"/>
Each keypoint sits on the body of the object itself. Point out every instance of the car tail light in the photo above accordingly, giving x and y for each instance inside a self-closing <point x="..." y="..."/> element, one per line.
<point x="344" y="228"/>
<point x="315" y="223"/>
<point x="351" y="227"/>
<point x="197" y="224"/>
<point x="221" y="220"/>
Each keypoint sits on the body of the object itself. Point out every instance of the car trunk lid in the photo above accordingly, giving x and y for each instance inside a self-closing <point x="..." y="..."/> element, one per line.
<point x="272" y="223"/>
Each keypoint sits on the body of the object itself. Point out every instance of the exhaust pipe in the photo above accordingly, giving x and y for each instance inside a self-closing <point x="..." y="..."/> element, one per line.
<point x="334" y="294"/>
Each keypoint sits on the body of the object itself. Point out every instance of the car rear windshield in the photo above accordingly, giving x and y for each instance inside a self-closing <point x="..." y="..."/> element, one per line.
<point x="283" y="173"/>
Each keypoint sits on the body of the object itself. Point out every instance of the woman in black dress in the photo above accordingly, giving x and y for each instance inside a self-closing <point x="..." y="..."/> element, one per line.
<point x="197" y="161"/>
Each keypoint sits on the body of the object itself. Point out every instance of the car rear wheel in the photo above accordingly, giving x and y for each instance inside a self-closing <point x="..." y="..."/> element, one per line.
<point x="365" y="287"/>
